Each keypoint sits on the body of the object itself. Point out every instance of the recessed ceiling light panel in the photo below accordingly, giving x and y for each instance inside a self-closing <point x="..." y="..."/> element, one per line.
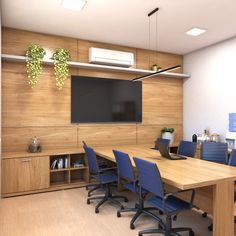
<point x="75" y="5"/>
<point x="195" y="31"/>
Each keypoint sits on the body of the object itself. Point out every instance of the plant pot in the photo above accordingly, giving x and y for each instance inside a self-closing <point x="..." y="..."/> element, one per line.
<point x="168" y="135"/>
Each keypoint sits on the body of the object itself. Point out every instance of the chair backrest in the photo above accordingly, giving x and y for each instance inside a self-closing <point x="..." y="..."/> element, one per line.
<point x="149" y="177"/>
<point x="187" y="148"/>
<point x="125" y="169"/>
<point x="92" y="160"/>
<point x="164" y="141"/>
<point x="232" y="158"/>
<point x="215" y="152"/>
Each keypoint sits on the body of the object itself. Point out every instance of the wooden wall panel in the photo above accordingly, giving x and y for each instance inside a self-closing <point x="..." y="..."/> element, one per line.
<point x="41" y="106"/>
<point x="17" y="139"/>
<point x="45" y="112"/>
<point x="162" y="101"/>
<point x="101" y="135"/>
<point x="16" y="41"/>
<point x="147" y="134"/>
<point x="146" y="58"/>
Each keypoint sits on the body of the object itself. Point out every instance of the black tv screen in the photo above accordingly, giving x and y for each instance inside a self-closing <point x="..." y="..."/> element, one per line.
<point x="96" y="100"/>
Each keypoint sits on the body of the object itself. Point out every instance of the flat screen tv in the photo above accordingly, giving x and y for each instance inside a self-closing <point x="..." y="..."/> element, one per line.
<point x="99" y="100"/>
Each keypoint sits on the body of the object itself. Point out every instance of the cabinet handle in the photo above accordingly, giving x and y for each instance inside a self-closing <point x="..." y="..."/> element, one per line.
<point x="26" y="160"/>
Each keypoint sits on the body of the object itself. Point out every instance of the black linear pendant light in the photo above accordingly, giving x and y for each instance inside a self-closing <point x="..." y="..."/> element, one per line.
<point x="160" y="71"/>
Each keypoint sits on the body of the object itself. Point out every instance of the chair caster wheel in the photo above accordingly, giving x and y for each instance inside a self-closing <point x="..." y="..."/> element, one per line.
<point x="88" y="201"/>
<point x="126" y="200"/>
<point x="210" y="227"/>
<point x="191" y="233"/>
<point x="118" y="214"/>
<point x="122" y="208"/>
<point x="96" y="211"/>
<point x="175" y="217"/>
<point x="132" y="226"/>
<point x="204" y="215"/>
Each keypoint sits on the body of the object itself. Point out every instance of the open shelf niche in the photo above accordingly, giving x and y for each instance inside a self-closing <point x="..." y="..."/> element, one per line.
<point x="68" y="169"/>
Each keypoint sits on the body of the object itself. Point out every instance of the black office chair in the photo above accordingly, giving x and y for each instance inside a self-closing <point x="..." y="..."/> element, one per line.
<point x="164" y="141"/>
<point x="187" y="148"/>
<point x="104" y="177"/>
<point x="215" y="152"/>
<point x="150" y="180"/>
<point x="125" y="172"/>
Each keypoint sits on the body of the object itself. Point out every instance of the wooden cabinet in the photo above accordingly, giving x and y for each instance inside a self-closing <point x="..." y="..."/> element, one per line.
<point x="25" y="174"/>
<point x="49" y="170"/>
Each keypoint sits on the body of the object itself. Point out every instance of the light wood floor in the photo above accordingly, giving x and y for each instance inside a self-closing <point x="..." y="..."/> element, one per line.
<point x="65" y="213"/>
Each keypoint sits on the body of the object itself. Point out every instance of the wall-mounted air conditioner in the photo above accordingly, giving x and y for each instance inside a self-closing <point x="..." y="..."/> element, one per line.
<point x="110" y="57"/>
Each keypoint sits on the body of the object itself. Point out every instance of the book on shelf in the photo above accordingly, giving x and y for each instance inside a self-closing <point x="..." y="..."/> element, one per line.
<point x="53" y="165"/>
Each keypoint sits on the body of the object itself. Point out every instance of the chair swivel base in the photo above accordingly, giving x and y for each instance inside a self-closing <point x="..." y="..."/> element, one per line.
<point x="139" y="211"/>
<point x="108" y="197"/>
<point x="166" y="228"/>
<point x="172" y="232"/>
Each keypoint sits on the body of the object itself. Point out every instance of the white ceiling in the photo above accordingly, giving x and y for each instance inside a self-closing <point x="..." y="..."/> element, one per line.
<point x="125" y="22"/>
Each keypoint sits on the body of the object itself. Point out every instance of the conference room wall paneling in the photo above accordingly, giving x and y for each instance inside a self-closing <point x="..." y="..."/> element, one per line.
<point x="45" y="111"/>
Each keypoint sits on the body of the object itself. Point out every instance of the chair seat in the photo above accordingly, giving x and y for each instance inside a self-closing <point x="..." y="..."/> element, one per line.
<point x="134" y="188"/>
<point x="106" y="178"/>
<point x="172" y="204"/>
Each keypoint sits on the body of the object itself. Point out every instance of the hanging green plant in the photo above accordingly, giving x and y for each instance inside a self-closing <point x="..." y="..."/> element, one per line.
<point x="34" y="59"/>
<point x="61" y="58"/>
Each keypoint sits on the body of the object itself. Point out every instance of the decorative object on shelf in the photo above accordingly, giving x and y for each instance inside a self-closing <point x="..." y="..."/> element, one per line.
<point x="155" y="67"/>
<point x="61" y="58"/>
<point x="168" y="133"/>
<point x="215" y="137"/>
<point x="34" y="59"/>
<point x="158" y="71"/>
<point x="194" y="138"/>
<point x="34" y="145"/>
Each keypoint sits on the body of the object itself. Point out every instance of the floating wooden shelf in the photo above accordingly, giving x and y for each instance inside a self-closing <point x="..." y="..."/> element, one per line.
<point x="15" y="58"/>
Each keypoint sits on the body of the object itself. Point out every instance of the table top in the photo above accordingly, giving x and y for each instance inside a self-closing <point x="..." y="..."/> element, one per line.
<point x="183" y="174"/>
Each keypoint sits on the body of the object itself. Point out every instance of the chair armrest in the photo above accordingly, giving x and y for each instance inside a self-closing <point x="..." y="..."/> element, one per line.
<point x="182" y="191"/>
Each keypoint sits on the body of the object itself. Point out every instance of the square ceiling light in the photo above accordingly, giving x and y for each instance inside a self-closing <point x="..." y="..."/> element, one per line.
<point x="195" y="31"/>
<point x="75" y="5"/>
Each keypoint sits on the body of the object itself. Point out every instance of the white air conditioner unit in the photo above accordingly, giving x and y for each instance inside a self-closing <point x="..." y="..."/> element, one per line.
<point x="110" y="57"/>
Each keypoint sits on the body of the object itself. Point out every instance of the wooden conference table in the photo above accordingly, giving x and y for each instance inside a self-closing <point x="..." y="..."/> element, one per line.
<point x="214" y="183"/>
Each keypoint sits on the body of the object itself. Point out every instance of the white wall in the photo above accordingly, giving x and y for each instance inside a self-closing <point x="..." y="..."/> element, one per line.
<point x="210" y="93"/>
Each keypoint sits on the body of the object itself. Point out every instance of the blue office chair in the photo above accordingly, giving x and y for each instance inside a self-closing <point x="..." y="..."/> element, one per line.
<point x="150" y="180"/>
<point x="91" y="187"/>
<point x="232" y="158"/>
<point x="214" y="152"/>
<point x="164" y="141"/>
<point x="125" y="172"/>
<point x="105" y="177"/>
<point x="187" y="148"/>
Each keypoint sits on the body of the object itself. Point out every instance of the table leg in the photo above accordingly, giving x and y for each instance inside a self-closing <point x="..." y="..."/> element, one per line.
<point x="223" y="209"/>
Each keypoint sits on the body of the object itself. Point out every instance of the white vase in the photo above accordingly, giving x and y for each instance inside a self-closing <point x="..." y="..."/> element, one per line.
<point x="168" y="135"/>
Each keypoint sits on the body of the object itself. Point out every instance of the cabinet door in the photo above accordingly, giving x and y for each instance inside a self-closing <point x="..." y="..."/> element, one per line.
<point x="25" y="174"/>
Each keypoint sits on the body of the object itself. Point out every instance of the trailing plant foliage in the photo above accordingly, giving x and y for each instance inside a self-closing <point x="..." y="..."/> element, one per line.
<point x="170" y="130"/>
<point x="61" y="58"/>
<point x="34" y="59"/>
